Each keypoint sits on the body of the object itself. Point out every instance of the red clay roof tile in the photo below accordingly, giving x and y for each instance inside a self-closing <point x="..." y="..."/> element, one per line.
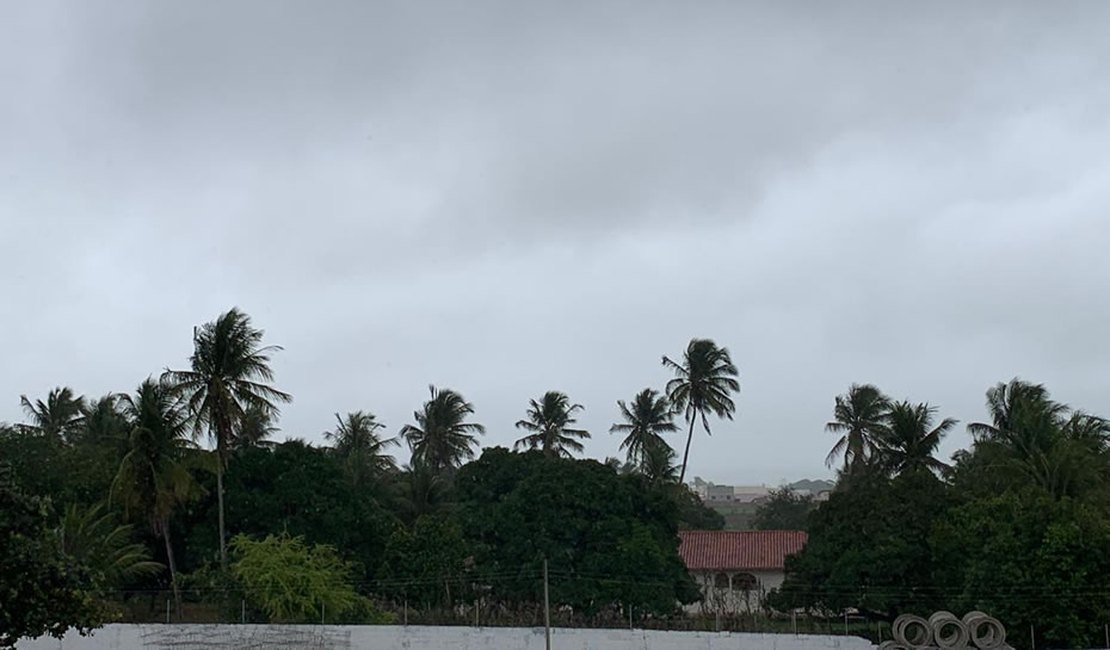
<point x="738" y="549"/>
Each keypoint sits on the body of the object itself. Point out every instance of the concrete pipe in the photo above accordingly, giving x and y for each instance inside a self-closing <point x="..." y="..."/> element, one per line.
<point x="912" y="631"/>
<point x="894" y="645"/>
<point x="949" y="632"/>
<point x="986" y="632"/>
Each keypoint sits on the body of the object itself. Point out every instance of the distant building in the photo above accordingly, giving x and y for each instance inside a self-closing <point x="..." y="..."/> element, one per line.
<point x="736" y="568"/>
<point x="711" y="492"/>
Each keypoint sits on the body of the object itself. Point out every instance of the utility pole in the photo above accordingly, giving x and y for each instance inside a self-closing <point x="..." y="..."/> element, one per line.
<point x="546" y="610"/>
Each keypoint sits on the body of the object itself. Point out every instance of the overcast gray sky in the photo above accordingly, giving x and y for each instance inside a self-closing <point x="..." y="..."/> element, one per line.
<point x="510" y="197"/>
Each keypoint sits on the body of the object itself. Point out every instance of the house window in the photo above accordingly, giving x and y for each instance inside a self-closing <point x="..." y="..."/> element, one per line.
<point x="745" y="582"/>
<point x="720" y="581"/>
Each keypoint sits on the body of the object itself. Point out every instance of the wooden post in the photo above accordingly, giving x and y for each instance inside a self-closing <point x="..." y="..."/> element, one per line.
<point x="243" y="615"/>
<point x="1032" y="638"/>
<point x="167" y="611"/>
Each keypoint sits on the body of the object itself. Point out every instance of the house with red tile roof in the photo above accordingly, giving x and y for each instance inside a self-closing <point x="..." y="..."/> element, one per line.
<point x="736" y="568"/>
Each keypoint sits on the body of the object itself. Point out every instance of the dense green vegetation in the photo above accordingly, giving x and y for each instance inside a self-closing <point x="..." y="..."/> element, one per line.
<point x="175" y="493"/>
<point x="1018" y="525"/>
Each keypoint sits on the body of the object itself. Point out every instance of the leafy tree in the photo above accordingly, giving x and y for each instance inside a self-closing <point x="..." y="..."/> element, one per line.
<point x="860" y="418"/>
<point x="869" y="548"/>
<point x="610" y="539"/>
<point x="645" y="422"/>
<point x="42" y="590"/>
<point x="909" y="440"/>
<point x="785" y="509"/>
<point x="1029" y="558"/>
<point x="300" y="489"/>
<point x="229" y="374"/>
<point x="58" y="416"/>
<point x="426" y="566"/>
<point x="703" y="384"/>
<point x="363" y="449"/>
<point x="442" y="439"/>
<point x="294" y="582"/>
<point x="548" y="423"/>
<point x="693" y="514"/>
<point x="153" y="479"/>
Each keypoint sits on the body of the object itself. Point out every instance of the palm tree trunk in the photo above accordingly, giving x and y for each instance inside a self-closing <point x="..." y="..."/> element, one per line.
<point x="686" y="454"/>
<point x="165" y="526"/>
<point x="220" y="500"/>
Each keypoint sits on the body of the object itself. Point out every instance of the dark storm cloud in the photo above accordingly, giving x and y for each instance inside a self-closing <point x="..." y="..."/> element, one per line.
<point x="507" y="197"/>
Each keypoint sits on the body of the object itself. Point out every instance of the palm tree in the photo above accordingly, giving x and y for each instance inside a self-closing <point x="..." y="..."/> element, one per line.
<point x="548" y="421"/>
<point x="58" y="416"/>
<point x="94" y="538"/>
<point x="102" y="423"/>
<point x="860" y="417"/>
<point x="657" y="464"/>
<point x="255" y="429"/>
<point x="442" y="439"/>
<point x="228" y="376"/>
<point x="1038" y="437"/>
<point x="420" y="491"/>
<point x="1014" y="407"/>
<point x="703" y="384"/>
<point x="645" y="422"/>
<point x="358" y="442"/>
<point x="154" y="477"/>
<point x="910" y="439"/>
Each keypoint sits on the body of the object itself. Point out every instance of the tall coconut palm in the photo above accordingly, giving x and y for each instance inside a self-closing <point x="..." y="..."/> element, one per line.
<point x="154" y="477"/>
<point x="359" y="443"/>
<point x="860" y="418"/>
<point x="442" y="439"/>
<point x="645" y="422"/>
<point x="229" y="374"/>
<point x="704" y="383"/>
<point x="58" y="416"/>
<point x="548" y="422"/>
<point x="910" y="439"/>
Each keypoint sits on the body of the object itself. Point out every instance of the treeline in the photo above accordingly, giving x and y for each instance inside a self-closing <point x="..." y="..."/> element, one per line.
<point x="1018" y="525"/>
<point x="176" y="491"/>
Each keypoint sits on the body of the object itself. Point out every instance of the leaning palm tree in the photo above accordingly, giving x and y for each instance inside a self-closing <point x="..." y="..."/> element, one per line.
<point x="360" y="445"/>
<point x="228" y="376"/>
<point x="704" y="383"/>
<point x="442" y="439"/>
<point x="154" y="477"/>
<point x="860" y="418"/>
<point x="58" y="416"/>
<point x="549" y="423"/>
<point x="910" y="439"/>
<point x="645" y="422"/>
